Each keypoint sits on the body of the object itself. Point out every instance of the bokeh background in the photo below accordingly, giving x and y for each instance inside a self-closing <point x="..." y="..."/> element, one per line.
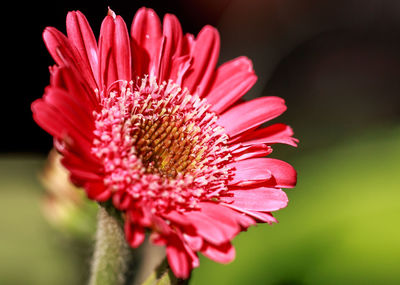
<point x="337" y="65"/>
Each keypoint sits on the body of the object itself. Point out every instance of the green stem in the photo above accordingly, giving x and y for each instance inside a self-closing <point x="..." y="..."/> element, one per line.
<point x="112" y="255"/>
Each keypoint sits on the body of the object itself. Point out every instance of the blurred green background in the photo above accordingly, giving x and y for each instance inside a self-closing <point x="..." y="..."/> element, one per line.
<point x="341" y="226"/>
<point x="337" y="65"/>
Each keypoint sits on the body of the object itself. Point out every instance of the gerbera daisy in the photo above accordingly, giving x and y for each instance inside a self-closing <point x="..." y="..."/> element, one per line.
<point x="147" y="121"/>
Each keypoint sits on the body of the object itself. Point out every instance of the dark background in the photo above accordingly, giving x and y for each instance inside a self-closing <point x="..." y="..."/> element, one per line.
<point x="337" y="63"/>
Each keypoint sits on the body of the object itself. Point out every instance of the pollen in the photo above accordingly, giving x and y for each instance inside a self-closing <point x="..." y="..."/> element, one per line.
<point x="160" y="144"/>
<point x="167" y="145"/>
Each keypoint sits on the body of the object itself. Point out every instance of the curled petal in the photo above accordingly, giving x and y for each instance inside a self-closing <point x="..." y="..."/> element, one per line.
<point x="250" y="171"/>
<point x="276" y="133"/>
<point x="251" y="114"/>
<point x="223" y="253"/>
<point x="284" y="175"/>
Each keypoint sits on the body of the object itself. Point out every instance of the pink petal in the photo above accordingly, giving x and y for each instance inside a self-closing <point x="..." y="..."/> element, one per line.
<point x="178" y="258"/>
<point x="96" y="191"/>
<point x="228" y="69"/>
<point x="177" y="218"/>
<point x="121" y="200"/>
<point x="172" y="32"/>
<point x="226" y="94"/>
<point x="160" y="225"/>
<point x="258" y="199"/>
<point x="205" y="52"/>
<point x="58" y="46"/>
<point x="251" y="114"/>
<point x="224" y="253"/>
<point x="66" y="79"/>
<point x="221" y="215"/>
<point x="66" y="54"/>
<point x="194" y="242"/>
<point x="55" y="123"/>
<point x="88" y="162"/>
<point x="188" y="41"/>
<point x="83" y="175"/>
<point x="214" y="231"/>
<point x="261" y="216"/>
<point x="250" y="171"/>
<point x="179" y="66"/>
<point x="71" y="109"/>
<point x="81" y="35"/>
<point x="122" y="50"/>
<point x="277" y="133"/>
<point x="225" y="215"/>
<point x="232" y="80"/>
<point x="146" y="42"/>
<point x="284" y="175"/>
<point x="134" y="233"/>
<point x="250" y="151"/>
<point x="108" y="69"/>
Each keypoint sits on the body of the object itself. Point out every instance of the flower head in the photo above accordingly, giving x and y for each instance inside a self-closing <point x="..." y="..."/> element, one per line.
<point x="148" y="121"/>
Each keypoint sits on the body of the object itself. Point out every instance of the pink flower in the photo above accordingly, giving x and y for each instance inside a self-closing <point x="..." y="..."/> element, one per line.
<point x="147" y="120"/>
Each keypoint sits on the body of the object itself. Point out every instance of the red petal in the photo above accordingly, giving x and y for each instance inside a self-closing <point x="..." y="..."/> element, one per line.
<point x="258" y="199"/>
<point x="172" y="32"/>
<point x="81" y="35"/>
<point x="65" y="103"/>
<point x="55" y="123"/>
<point x="122" y="50"/>
<point x="224" y="215"/>
<point x="232" y="80"/>
<point x="58" y="45"/>
<point x="146" y="42"/>
<point x="96" y="191"/>
<point x="261" y="216"/>
<point x="250" y="151"/>
<point x="178" y="258"/>
<point x="251" y="114"/>
<point x="228" y="69"/>
<point x="194" y="242"/>
<point x="250" y="171"/>
<point x="66" y="54"/>
<point x="90" y="163"/>
<point x="277" y="133"/>
<point x="221" y="215"/>
<point x="65" y="78"/>
<point x="108" y="69"/>
<point x="214" y="231"/>
<point x="121" y="200"/>
<point x="204" y="53"/>
<point x="224" y="253"/>
<point x="134" y="233"/>
<point x="226" y="94"/>
<point x="284" y="175"/>
<point x="177" y="218"/>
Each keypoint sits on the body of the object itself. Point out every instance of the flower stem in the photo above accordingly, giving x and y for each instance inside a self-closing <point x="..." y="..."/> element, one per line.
<point x="112" y="255"/>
